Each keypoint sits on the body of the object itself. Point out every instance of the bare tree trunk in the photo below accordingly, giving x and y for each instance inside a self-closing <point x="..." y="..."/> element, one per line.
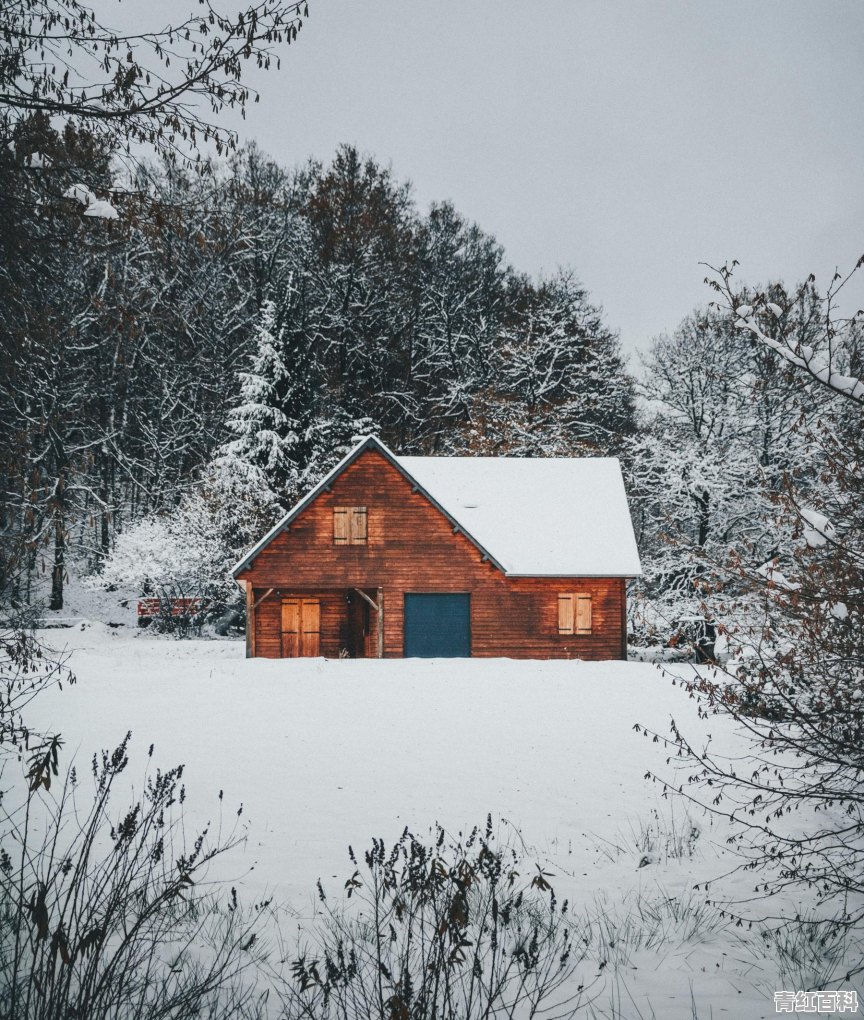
<point x="105" y="513"/>
<point x="59" y="567"/>
<point x="704" y="504"/>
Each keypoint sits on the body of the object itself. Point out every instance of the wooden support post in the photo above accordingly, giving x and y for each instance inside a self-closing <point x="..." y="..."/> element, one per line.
<point x="250" y="621"/>
<point x="624" y="618"/>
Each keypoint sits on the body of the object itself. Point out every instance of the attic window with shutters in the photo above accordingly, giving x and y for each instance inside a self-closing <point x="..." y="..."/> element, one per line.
<point x="349" y="525"/>
<point x="574" y="614"/>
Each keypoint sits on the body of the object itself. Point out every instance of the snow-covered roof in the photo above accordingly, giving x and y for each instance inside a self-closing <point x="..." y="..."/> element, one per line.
<point x="538" y="515"/>
<point x="554" y="516"/>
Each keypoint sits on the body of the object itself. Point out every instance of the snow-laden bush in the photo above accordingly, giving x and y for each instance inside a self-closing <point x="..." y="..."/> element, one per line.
<point x="159" y="552"/>
<point x="188" y="551"/>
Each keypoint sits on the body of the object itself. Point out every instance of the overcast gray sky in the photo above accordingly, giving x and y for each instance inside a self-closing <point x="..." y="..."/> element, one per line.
<point x="630" y="140"/>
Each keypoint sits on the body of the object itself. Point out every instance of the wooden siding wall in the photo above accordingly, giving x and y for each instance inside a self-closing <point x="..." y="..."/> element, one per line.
<point x="412" y="548"/>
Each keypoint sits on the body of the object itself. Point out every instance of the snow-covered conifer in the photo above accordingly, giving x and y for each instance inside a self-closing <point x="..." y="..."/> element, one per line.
<point x="263" y="449"/>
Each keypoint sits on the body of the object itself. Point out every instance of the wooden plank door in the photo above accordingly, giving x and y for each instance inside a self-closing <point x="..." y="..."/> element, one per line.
<point x="301" y="627"/>
<point x="290" y="628"/>
<point x="310" y="627"/>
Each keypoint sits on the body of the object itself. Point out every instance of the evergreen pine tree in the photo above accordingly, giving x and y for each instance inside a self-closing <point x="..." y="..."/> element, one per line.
<point x="263" y="452"/>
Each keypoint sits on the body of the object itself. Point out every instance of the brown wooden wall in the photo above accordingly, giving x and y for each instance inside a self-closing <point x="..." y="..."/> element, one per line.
<point x="412" y="548"/>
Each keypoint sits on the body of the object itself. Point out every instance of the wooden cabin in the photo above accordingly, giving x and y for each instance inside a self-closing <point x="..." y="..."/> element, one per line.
<point x="393" y="556"/>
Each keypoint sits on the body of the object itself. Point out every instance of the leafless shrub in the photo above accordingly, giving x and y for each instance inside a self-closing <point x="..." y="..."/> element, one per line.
<point x="105" y="913"/>
<point x="452" y="929"/>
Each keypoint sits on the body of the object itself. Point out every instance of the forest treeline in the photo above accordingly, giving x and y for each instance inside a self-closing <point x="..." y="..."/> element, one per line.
<point x="177" y="371"/>
<point x="125" y="341"/>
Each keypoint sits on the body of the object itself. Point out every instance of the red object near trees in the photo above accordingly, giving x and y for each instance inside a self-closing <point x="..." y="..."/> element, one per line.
<point x="150" y="607"/>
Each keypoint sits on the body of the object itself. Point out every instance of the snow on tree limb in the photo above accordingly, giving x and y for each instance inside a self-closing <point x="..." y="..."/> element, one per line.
<point x="804" y="357"/>
<point x="819" y="529"/>
<point x="100" y="208"/>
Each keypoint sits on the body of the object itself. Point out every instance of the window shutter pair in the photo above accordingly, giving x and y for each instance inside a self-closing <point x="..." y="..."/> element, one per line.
<point x="349" y="525"/>
<point x="574" y="614"/>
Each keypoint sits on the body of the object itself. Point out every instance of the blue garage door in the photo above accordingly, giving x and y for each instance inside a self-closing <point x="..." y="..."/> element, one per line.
<point x="438" y="626"/>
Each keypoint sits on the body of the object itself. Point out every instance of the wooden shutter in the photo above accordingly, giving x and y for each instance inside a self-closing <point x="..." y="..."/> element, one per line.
<point x="583" y="614"/>
<point x="310" y="622"/>
<point x="574" y="614"/>
<point x="565" y="614"/>
<point x="358" y="525"/>
<point x="349" y="525"/>
<point x="341" y="516"/>
<point x="290" y="628"/>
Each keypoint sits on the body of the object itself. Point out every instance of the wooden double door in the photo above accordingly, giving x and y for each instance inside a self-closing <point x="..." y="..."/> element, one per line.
<point x="301" y="627"/>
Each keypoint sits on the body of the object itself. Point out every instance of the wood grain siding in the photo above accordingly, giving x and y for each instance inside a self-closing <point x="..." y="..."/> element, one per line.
<point x="412" y="547"/>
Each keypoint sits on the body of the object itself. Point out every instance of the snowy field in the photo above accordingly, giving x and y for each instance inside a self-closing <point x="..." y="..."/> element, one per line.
<point x="327" y="753"/>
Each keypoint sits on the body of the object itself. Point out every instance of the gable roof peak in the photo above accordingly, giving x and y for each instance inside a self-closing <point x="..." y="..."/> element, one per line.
<point x="370" y="442"/>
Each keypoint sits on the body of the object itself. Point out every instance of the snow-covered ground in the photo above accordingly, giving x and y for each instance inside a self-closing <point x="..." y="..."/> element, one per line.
<point x="327" y="753"/>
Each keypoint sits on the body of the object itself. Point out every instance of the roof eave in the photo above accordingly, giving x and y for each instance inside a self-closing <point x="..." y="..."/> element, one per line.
<point x="627" y="577"/>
